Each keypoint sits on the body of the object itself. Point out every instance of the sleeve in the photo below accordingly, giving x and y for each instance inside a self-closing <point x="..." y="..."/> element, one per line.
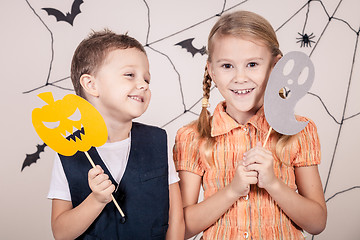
<point x="309" y="150"/>
<point x="186" y="151"/>
<point x="173" y="175"/>
<point x="59" y="187"/>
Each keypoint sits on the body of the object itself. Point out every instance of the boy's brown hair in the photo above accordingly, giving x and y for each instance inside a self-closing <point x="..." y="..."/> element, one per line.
<point x="92" y="51"/>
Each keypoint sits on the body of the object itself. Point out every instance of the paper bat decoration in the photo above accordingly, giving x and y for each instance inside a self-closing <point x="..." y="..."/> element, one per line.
<point x="187" y="44"/>
<point x="284" y="89"/>
<point x="32" y="158"/>
<point x="69" y="17"/>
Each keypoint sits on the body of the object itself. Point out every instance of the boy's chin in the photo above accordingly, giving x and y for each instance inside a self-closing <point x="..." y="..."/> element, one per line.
<point x="138" y="114"/>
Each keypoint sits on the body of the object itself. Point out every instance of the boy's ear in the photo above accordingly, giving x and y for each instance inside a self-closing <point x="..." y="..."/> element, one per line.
<point x="88" y="83"/>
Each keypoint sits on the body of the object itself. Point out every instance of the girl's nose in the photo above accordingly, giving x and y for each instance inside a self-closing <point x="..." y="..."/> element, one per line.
<point x="240" y="76"/>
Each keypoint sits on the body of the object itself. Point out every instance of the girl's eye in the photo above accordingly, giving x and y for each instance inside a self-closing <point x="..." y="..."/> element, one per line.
<point x="227" y="65"/>
<point x="252" y="64"/>
<point x="147" y="81"/>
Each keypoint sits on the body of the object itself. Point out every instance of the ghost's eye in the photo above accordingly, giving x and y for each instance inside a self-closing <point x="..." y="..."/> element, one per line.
<point x="76" y="116"/>
<point x="51" y="125"/>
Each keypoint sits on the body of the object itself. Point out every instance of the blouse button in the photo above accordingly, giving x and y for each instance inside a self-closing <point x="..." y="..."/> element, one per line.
<point x="246" y="197"/>
<point x="246" y="235"/>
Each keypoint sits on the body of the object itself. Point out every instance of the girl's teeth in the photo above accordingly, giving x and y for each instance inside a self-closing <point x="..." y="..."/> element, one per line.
<point x="242" y="91"/>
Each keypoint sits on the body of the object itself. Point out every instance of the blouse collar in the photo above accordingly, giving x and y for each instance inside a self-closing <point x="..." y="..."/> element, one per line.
<point x="222" y="123"/>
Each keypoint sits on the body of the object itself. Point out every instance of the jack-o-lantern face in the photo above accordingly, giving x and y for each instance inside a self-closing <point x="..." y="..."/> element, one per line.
<point x="69" y="125"/>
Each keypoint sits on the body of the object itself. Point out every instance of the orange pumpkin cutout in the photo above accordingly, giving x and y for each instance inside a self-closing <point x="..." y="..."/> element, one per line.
<point x="69" y="125"/>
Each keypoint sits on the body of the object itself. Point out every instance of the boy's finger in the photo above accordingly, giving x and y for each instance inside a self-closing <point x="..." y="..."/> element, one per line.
<point x="93" y="173"/>
<point x="104" y="184"/>
<point x="109" y="189"/>
<point x="98" y="179"/>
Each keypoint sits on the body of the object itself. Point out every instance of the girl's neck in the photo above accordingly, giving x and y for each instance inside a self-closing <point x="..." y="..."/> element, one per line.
<point x="241" y="117"/>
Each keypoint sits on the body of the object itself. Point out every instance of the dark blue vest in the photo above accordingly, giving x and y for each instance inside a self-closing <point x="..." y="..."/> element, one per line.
<point x="143" y="193"/>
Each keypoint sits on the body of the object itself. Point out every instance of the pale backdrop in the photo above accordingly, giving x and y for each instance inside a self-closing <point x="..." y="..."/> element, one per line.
<point x="35" y="57"/>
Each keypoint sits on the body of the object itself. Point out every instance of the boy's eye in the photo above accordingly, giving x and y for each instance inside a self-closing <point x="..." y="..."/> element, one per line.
<point x="252" y="64"/>
<point x="147" y="81"/>
<point x="227" y="65"/>
<point x="129" y="74"/>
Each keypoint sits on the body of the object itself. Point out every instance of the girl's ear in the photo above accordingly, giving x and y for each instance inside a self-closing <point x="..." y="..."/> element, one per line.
<point x="88" y="83"/>
<point x="210" y="71"/>
<point x="276" y="59"/>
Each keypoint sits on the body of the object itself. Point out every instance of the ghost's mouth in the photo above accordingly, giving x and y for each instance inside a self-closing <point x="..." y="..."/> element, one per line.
<point x="77" y="134"/>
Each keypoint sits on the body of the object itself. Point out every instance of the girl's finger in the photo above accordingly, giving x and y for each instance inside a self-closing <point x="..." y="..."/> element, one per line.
<point x="254" y="159"/>
<point x="251" y="173"/>
<point x="255" y="167"/>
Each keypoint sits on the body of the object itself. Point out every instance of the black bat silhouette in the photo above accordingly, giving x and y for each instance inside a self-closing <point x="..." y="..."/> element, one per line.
<point x="187" y="44"/>
<point x="69" y="17"/>
<point x="32" y="158"/>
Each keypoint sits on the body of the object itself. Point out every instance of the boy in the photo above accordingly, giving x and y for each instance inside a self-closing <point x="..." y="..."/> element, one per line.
<point x="111" y="71"/>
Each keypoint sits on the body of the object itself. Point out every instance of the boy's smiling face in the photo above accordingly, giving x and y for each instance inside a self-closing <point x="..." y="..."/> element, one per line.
<point x="122" y="85"/>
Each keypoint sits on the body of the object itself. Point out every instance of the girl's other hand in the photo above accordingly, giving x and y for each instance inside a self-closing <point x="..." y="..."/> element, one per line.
<point x="261" y="160"/>
<point x="240" y="185"/>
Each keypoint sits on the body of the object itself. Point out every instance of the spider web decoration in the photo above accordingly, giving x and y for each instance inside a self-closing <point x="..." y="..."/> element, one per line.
<point x="319" y="28"/>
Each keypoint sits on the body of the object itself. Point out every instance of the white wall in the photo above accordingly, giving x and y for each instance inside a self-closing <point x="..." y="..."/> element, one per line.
<point x="35" y="56"/>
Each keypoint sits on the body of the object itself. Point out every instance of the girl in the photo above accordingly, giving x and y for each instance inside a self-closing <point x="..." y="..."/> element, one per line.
<point x="250" y="191"/>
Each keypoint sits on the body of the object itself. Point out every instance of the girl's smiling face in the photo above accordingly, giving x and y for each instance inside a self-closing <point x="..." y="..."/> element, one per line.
<point x="240" y="68"/>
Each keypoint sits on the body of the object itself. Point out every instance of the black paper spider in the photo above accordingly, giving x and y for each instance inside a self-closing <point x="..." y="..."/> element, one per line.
<point x="305" y="39"/>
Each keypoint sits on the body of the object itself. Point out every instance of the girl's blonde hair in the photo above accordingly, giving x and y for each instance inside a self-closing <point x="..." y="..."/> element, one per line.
<point x="237" y="24"/>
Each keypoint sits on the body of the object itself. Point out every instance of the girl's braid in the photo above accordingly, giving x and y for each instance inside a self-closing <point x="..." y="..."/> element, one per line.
<point x="203" y="125"/>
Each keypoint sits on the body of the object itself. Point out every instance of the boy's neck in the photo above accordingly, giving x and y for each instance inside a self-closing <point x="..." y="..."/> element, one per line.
<point x="118" y="132"/>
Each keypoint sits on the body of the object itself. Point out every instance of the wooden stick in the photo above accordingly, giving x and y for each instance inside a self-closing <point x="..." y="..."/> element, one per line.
<point x="113" y="199"/>
<point x="267" y="136"/>
<point x="90" y="160"/>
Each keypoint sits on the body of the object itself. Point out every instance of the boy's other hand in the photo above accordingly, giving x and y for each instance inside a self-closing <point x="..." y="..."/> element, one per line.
<point x="100" y="184"/>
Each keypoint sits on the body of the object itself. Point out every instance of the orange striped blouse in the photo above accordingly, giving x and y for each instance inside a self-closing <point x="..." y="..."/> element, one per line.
<point x="256" y="216"/>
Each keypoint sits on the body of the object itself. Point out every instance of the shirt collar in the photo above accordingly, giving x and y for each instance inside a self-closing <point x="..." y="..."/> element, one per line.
<point x="222" y="123"/>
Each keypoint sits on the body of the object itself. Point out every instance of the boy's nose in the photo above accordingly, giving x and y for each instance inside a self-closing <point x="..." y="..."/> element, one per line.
<point x="142" y="85"/>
